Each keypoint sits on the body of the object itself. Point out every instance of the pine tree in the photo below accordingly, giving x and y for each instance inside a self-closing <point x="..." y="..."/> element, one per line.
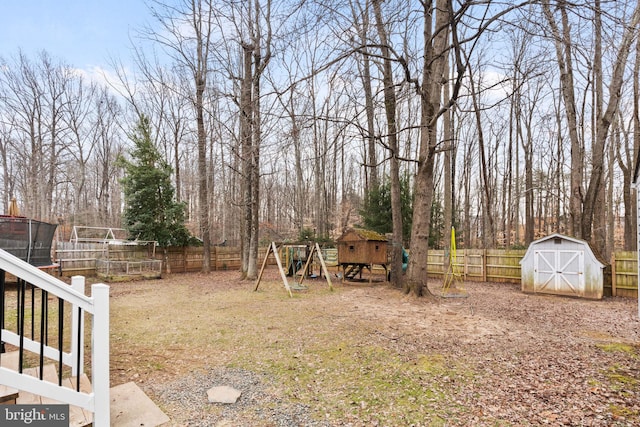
<point x="376" y="211"/>
<point x="151" y="211"/>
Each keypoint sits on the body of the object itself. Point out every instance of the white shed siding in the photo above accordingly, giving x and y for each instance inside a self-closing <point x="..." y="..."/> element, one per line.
<point x="562" y="265"/>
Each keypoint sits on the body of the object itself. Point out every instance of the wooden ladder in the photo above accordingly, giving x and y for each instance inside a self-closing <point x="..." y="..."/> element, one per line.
<point x="353" y="271"/>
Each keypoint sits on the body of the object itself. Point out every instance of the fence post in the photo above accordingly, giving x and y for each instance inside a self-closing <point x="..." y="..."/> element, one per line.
<point x="465" y="267"/>
<point x="77" y="324"/>
<point x="613" y="275"/>
<point x="184" y="259"/>
<point x="100" y="355"/>
<point x="484" y="265"/>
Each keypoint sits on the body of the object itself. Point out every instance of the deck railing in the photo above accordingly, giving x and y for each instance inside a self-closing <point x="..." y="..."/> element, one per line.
<point x="54" y="331"/>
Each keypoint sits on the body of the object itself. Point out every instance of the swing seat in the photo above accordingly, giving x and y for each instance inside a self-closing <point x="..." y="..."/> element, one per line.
<point x="298" y="287"/>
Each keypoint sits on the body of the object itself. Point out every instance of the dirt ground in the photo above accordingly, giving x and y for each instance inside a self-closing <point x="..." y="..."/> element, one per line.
<point x="370" y="355"/>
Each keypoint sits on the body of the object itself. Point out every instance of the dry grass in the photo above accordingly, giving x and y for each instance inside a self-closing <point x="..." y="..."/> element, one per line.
<point x="369" y="355"/>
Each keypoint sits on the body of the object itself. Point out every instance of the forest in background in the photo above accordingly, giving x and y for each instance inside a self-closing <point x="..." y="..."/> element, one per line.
<point x="279" y="116"/>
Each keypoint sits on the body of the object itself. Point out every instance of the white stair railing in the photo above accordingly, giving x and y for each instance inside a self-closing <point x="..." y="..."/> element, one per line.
<point x="96" y="305"/>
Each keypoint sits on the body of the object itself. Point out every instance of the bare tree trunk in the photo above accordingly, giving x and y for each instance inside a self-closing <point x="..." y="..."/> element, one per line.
<point x="203" y="199"/>
<point x="564" y="49"/>
<point x="611" y="219"/>
<point x="372" y="161"/>
<point x="466" y="203"/>
<point x="507" y="191"/>
<point x="598" y="228"/>
<point x="488" y="236"/>
<point x="529" y="216"/>
<point x="449" y="194"/>
<point x="197" y="14"/>
<point x="298" y="194"/>
<point x="252" y="269"/>
<point x="596" y="181"/>
<point x="626" y="154"/>
<point x="392" y="138"/>
<point x="246" y="118"/>
<point x="630" y="218"/>
<point x="430" y="99"/>
<point x="250" y="133"/>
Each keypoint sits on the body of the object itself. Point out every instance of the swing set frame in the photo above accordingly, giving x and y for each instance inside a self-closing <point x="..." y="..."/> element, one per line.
<point x="274" y="249"/>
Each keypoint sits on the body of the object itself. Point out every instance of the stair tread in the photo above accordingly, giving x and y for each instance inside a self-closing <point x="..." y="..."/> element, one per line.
<point x="9" y="360"/>
<point x="129" y="404"/>
<point x="30" y="398"/>
<point x="8" y="394"/>
<point x="353" y="271"/>
<point x="77" y="416"/>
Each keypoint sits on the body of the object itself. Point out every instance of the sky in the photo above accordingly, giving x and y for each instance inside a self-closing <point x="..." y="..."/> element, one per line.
<point x="82" y="33"/>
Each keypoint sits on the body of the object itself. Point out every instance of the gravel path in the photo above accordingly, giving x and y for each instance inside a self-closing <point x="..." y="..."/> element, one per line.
<point x="257" y="405"/>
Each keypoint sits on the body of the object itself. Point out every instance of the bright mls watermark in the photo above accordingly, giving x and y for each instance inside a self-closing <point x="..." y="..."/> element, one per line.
<point x="34" y="415"/>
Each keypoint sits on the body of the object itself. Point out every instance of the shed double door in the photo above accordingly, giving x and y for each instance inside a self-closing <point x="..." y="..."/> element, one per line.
<point x="559" y="272"/>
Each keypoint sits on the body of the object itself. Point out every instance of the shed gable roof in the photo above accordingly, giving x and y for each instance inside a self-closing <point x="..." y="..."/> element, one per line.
<point x="554" y="236"/>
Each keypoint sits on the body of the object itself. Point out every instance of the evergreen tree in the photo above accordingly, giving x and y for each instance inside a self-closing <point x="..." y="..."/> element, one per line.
<point x="376" y="212"/>
<point x="151" y="212"/>
<point x="436" y="231"/>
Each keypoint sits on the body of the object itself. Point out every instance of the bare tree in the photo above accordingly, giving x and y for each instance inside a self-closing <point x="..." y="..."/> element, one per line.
<point x="564" y="54"/>
<point x="185" y="35"/>
<point x="603" y="124"/>
<point x="632" y="152"/>
<point x="625" y="146"/>
<point x="430" y="92"/>
<point x="81" y="101"/>
<point x="583" y="210"/>
<point x="34" y="95"/>
<point x="392" y="146"/>
<point x="7" y="162"/>
<point x="256" y="46"/>
<point x="362" y="27"/>
<point x="489" y="232"/>
<point x="107" y="146"/>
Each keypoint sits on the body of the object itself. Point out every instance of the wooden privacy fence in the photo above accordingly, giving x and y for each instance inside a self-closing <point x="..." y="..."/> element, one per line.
<point x="81" y="258"/>
<point x="624" y="274"/>
<point x="500" y="265"/>
<point x="189" y="259"/>
<point x="78" y="258"/>
<point x="482" y="265"/>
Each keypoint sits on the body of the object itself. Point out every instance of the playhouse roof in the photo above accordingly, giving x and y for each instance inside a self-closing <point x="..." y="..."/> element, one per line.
<point x="363" y="234"/>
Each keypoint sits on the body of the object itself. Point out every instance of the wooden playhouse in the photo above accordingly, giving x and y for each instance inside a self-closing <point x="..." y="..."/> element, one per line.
<point x="359" y="249"/>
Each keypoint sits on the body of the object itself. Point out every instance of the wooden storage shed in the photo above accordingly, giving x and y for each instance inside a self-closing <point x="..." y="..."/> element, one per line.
<point x="358" y="249"/>
<point x="562" y="265"/>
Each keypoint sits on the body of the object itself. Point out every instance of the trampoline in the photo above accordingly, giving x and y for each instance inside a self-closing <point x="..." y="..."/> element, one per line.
<point x="27" y="239"/>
